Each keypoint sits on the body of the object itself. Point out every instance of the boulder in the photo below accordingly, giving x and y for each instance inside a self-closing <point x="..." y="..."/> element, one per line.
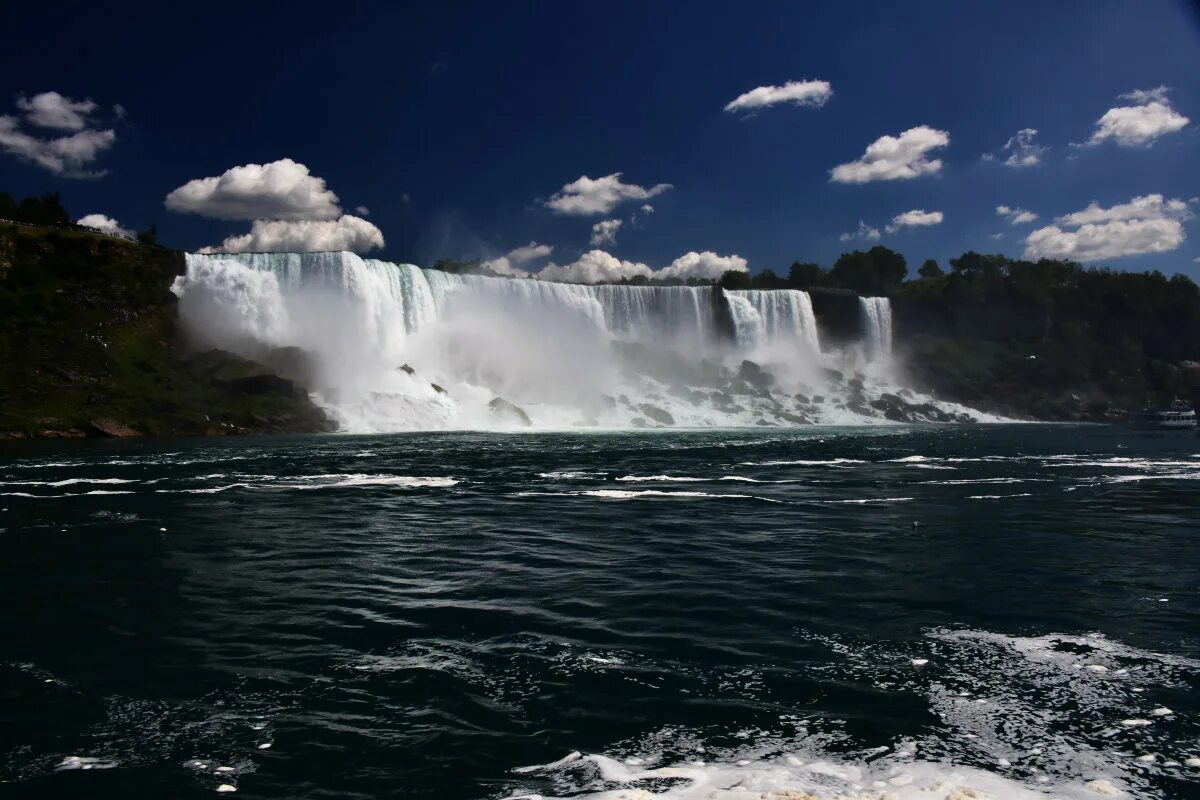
<point x="755" y="375"/>
<point x="405" y="368"/>
<point x="657" y="414"/>
<point x="104" y="426"/>
<point x="507" y="412"/>
<point x="438" y="389"/>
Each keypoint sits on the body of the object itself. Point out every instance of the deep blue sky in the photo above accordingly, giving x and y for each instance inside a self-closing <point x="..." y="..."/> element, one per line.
<point x="477" y="111"/>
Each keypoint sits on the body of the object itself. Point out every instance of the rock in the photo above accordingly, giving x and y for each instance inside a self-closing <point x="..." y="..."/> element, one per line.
<point x="755" y="375"/>
<point x="105" y="426"/>
<point x="818" y="398"/>
<point x="608" y="401"/>
<point x="832" y="375"/>
<point x="438" y="389"/>
<point x="638" y="422"/>
<point x="801" y="398"/>
<point x="407" y="369"/>
<point x="795" y="419"/>
<point x="505" y="411"/>
<point x="262" y="383"/>
<point x="657" y="414"/>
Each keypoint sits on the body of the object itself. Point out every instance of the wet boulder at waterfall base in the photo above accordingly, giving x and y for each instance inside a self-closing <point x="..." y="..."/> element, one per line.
<point x="90" y="339"/>
<point x="508" y="413"/>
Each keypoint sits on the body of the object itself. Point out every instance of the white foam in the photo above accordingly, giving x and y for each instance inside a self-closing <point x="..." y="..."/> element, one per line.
<point x="85" y="762"/>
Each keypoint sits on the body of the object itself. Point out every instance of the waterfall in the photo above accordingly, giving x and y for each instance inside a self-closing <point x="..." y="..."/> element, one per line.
<point x="877" y="327"/>
<point x="776" y="315"/>
<point x="396" y="347"/>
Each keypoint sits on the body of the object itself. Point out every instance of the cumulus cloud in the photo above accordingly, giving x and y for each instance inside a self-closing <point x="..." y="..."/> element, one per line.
<point x="594" y="266"/>
<point x="812" y="94"/>
<point x="587" y="196"/>
<point x="281" y="190"/>
<point x="1147" y="224"/>
<point x="891" y="158"/>
<point x="103" y="223"/>
<point x="917" y="218"/>
<point x="362" y="211"/>
<point x="1149" y="117"/>
<point x="304" y="236"/>
<point x="1017" y="216"/>
<point x="508" y="264"/>
<point x="605" y="232"/>
<point x="864" y="231"/>
<point x="53" y="110"/>
<point x="597" y="266"/>
<point x="647" y="209"/>
<point x="69" y="155"/>
<point x="529" y="252"/>
<point x="1020" y="150"/>
<point x="707" y="265"/>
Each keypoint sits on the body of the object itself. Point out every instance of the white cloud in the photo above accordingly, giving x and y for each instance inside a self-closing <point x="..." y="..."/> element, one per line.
<point x="304" y="236"/>
<point x="895" y="158"/>
<point x="594" y="266"/>
<point x="812" y="94"/>
<point x="863" y="231"/>
<point x="605" y="232"/>
<point x="1021" y="150"/>
<point x="997" y="235"/>
<point x="68" y="156"/>
<point x="1147" y="224"/>
<point x="53" y="110"/>
<point x="706" y="265"/>
<point x="585" y="197"/>
<point x="647" y="209"/>
<point x="507" y="264"/>
<point x="597" y="266"/>
<point x="1017" y="216"/>
<point x="362" y="211"/>
<point x="529" y="252"/>
<point x="102" y="223"/>
<point x="1150" y="117"/>
<point x="917" y="218"/>
<point x="281" y="190"/>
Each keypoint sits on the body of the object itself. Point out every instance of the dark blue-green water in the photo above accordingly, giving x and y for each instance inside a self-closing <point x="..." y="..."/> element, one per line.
<point x="709" y="614"/>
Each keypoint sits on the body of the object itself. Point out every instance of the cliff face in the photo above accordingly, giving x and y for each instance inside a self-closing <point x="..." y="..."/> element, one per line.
<point x="89" y="345"/>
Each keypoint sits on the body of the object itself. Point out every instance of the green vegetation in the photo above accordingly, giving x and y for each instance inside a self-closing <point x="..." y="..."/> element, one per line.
<point x="88" y="333"/>
<point x="45" y="210"/>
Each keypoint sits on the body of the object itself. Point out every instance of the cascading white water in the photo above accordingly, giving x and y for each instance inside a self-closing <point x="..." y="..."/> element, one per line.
<point x="877" y="327"/>
<point x="396" y="347"/>
<point x="775" y="316"/>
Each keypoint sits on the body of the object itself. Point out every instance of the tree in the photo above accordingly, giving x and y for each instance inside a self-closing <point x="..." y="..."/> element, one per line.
<point x="734" y="279"/>
<point x="8" y="206"/>
<point x="879" y="271"/>
<point x="802" y="276"/>
<point x="149" y="236"/>
<point x="767" y="279"/>
<point x="930" y="269"/>
<point x="45" y="210"/>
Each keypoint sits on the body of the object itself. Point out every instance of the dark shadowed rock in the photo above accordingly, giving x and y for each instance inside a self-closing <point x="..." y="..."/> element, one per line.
<point x="103" y="426"/>
<point x="507" y="412"/>
<point x="657" y="414"/>
<point x="405" y="368"/>
<point x="438" y="389"/>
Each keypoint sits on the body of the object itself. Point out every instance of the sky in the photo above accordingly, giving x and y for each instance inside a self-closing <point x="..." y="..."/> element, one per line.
<point x="589" y="142"/>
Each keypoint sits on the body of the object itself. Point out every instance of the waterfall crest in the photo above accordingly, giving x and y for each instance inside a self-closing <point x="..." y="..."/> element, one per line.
<point x="397" y="347"/>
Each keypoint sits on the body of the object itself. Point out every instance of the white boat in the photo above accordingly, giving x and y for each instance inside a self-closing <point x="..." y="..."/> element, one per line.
<point x="1177" y="416"/>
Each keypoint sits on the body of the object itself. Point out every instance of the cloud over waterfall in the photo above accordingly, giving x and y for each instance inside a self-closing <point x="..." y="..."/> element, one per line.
<point x="594" y="196"/>
<point x="283" y="189"/>
<point x="304" y="236"/>
<point x="598" y="266"/>
<point x="1147" y="224"/>
<point x="891" y="158"/>
<point x="104" y="223"/>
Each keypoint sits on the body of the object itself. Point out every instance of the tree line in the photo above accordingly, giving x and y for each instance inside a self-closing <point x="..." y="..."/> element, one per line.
<point x="48" y="211"/>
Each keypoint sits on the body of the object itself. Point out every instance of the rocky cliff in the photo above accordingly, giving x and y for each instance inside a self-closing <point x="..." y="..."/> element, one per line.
<point x="89" y="346"/>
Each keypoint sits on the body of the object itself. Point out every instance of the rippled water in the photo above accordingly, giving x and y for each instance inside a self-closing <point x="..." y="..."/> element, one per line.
<point x="709" y="614"/>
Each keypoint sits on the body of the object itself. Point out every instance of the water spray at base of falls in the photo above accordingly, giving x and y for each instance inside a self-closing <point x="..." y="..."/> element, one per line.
<point x="391" y="347"/>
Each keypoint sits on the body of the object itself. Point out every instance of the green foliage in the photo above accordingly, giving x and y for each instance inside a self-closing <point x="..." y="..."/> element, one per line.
<point x="878" y="271"/>
<point x="802" y="276"/>
<point x="735" y="279"/>
<point x="930" y="269"/>
<point x="149" y="236"/>
<point x="45" y="210"/>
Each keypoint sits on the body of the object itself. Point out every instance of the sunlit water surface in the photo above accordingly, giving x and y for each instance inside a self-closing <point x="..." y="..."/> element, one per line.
<point x="901" y="611"/>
